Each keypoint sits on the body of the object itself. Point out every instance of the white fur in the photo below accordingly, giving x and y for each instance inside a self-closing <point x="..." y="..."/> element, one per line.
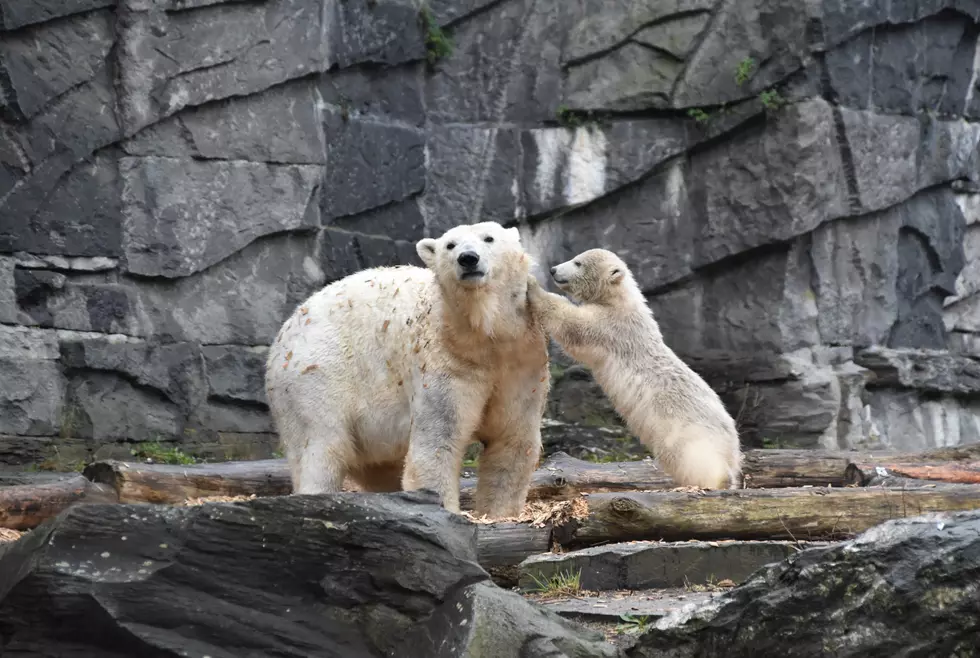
<point x="388" y="374"/>
<point x="673" y="411"/>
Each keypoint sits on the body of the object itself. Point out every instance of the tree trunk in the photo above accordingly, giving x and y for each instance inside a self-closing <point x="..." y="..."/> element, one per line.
<point x="26" y="506"/>
<point x="791" y="513"/>
<point x="504" y="544"/>
<point x="969" y="452"/>
<point x="562" y="477"/>
<point x="794" y="468"/>
<point x="959" y="472"/>
<point x="165" y="483"/>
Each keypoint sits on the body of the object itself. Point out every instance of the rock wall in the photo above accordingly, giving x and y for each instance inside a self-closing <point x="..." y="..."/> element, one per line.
<point x="794" y="184"/>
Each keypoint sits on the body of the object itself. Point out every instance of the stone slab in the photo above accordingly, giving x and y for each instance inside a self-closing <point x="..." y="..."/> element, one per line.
<point x="644" y="565"/>
<point x="613" y="606"/>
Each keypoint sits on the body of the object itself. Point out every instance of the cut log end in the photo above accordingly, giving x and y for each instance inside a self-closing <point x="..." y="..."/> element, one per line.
<point x="23" y="507"/>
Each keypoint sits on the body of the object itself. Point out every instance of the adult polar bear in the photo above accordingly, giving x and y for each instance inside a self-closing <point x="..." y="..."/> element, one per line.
<point x="388" y="374"/>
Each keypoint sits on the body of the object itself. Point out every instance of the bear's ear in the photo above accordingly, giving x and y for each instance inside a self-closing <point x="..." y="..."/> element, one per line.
<point x="616" y="276"/>
<point x="426" y="249"/>
<point x="514" y="233"/>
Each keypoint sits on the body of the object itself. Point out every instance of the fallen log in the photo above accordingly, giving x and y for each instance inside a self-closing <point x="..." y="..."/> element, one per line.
<point x="26" y="506"/>
<point x="805" y="513"/>
<point x="169" y="484"/>
<point x="968" y="452"/>
<point x="959" y="472"/>
<point x="562" y="477"/>
<point x="508" y="543"/>
<point x="765" y="469"/>
<point x="896" y="482"/>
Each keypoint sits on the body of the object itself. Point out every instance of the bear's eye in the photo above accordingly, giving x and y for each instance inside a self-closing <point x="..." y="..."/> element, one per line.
<point x="488" y="239"/>
<point x="450" y="246"/>
<point x="577" y="264"/>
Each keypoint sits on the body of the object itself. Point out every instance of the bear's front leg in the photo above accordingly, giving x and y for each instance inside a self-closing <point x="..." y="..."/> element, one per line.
<point x="445" y="413"/>
<point x="512" y="446"/>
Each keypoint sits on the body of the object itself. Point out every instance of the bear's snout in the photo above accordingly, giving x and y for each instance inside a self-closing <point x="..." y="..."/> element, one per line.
<point x="553" y="269"/>
<point x="468" y="259"/>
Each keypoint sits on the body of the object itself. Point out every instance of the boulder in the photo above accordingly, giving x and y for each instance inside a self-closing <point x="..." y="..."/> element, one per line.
<point x="485" y="620"/>
<point x="345" y="575"/>
<point x="906" y="587"/>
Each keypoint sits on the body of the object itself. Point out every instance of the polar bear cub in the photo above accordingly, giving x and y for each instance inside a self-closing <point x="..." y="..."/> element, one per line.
<point x="673" y="411"/>
<point x="387" y="375"/>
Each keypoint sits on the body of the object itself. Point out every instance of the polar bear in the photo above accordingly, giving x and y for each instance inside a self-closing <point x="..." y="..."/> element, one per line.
<point x="388" y="375"/>
<point x="672" y="410"/>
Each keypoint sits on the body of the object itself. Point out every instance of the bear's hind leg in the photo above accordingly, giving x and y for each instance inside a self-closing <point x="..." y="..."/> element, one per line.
<point x="320" y="463"/>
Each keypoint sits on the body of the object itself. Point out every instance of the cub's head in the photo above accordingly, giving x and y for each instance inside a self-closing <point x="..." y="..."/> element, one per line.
<point x="475" y="255"/>
<point x="596" y="275"/>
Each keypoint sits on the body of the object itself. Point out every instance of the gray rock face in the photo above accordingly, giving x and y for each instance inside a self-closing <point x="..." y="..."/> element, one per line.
<point x="905" y="587"/>
<point x="342" y="575"/>
<point x="181" y="216"/>
<point x="369" y="164"/>
<point x="175" y="59"/>
<point x="32" y="390"/>
<point x="40" y="65"/>
<point x="236" y="372"/>
<point x="796" y="187"/>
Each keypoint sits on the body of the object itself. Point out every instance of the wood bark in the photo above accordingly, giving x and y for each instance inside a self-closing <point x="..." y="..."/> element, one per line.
<point x="959" y="472"/>
<point x="26" y="506"/>
<point x="794" y="468"/>
<point x="969" y="452"/>
<point x="169" y="484"/>
<point x="560" y="477"/>
<point x="506" y="543"/>
<point x="805" y="513"/>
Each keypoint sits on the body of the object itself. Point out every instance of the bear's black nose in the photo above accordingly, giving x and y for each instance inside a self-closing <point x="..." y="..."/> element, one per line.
<point x="468" y="259"/>
<point x="553" y="270"/>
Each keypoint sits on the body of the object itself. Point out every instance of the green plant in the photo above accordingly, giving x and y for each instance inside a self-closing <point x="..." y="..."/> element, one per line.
<point x="471" y="458"/>
<point x="277" y="453"/>
<point x="568" y="118"/>
<point x="632" y="624"/>
<point x="772" y="444"/>
<point x="560" y="583"/>
<point x="155" y="452"/>
<point x="744" y="71"/>
<point x="699" y="115"/>
<point x="437" y="43"/>
<point x="772" y="99"/>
